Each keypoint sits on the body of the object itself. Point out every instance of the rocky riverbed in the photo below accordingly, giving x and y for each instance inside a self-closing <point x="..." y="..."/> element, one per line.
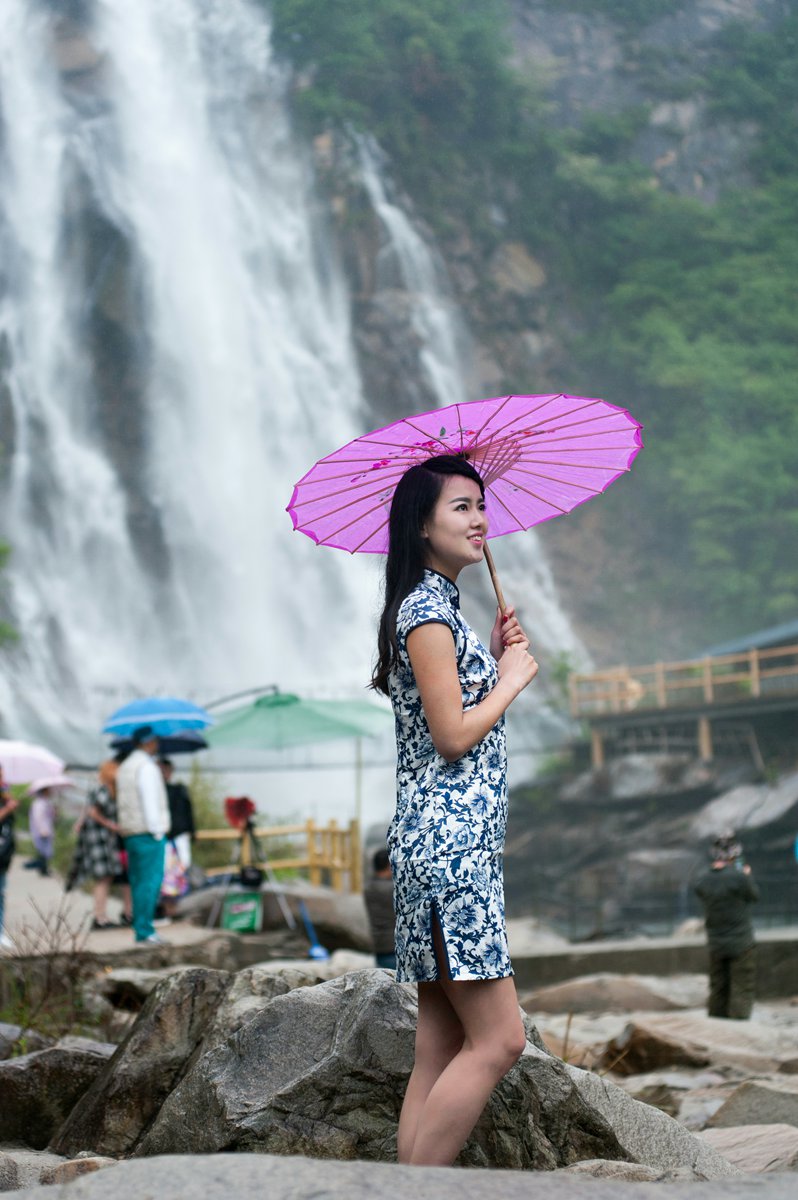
<point x="623" y="1079"/>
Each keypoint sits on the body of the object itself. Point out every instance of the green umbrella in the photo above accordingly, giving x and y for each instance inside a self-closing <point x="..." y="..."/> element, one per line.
<point x="280" y="720"/>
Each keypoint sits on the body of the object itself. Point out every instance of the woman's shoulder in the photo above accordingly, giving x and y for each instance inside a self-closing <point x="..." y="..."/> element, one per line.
<point x="421" y="606"/>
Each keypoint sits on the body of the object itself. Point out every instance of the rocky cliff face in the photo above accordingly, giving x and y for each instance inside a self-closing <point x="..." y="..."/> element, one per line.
<point x="594" y="64"/>
<point x="617" y="851"/>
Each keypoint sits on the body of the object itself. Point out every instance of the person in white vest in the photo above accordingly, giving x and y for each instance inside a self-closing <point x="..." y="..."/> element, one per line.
<point x="143" y="818"/>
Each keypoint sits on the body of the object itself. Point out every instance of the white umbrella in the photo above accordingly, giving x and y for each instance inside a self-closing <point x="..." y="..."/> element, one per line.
<point x="24" y="761"/>
<point x="53" y="783"/>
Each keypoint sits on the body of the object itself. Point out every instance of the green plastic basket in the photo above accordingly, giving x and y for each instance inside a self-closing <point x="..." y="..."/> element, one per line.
<point x="242" y="912"/>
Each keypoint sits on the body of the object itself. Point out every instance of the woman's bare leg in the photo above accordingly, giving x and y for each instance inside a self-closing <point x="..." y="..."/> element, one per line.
<point x="102" y="888"/>
<point x="494" y="1039"/>
<point x="439" y="1037"/>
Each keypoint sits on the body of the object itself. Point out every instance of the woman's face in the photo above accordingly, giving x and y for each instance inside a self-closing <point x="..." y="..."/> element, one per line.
<point x="455" y="530"/>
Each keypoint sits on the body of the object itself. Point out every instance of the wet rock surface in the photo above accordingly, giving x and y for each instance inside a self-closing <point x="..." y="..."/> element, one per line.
<point x="126" y="1096"/>
<point x="217" y="1177"/>
<point x="39" y="1090"/>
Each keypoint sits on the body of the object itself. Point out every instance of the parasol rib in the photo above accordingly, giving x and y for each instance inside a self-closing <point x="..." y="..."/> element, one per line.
<point x="429" y="436"/>
<point x="383" y="479"/>
<point x="572" y="437"/>
<point x="370" y="535"/>
<point x="494" y="433"/>
<point x="553" y="478"/>
<point x="330" y="512"/>
<point x="534" y="496"/>
<point x="545" y="462"/>
<point x="509" y="511"/>
<point x="583" y="421"/>
<point x="334" y="458"/>
<point x="482" y="428"/>
<point x="542" y="422"/>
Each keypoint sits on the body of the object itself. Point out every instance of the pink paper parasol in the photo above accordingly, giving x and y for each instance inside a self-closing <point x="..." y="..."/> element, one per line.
<point x="539" y="457"/>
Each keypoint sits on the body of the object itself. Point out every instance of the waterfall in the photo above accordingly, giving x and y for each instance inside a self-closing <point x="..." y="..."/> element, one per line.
<point x="241" y="320"/>
<point x="144" y="483"/>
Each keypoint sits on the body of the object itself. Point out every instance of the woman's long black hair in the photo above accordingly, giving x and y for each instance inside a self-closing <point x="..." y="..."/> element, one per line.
<point x="413" y="501"/>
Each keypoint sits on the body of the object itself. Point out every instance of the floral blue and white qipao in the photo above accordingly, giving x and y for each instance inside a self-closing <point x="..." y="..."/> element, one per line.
<point x="447" y="836"/>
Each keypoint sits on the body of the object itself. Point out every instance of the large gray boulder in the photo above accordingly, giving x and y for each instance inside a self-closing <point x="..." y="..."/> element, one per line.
<point x="755" y="1148"/>
<point x="749" y="806"/>
<point x="38" y="1090"/>
<point x="652" y="1041"/>
<point x="218" y="1177"/>
<point x="267" y="1061"/>
<point x="24" y="1168"/>
<point x="129" y="987"/>
<point x="250" y="990"/>
<point x="630" y="776"/>
<point x="760" y="1102"/>
<point x="646" y="1134"/>
<point x="611" y="992"/>
<point x="126" y="1096"/>
<point x="322" y="1071"/>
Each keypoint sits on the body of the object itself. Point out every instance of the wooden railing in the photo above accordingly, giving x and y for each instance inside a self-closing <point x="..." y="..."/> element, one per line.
<point x="705" y="681"/>
<point x="328" y="853"/>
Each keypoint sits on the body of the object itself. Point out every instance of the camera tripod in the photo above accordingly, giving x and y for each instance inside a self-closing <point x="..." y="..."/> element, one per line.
<point x="249" y="856"/>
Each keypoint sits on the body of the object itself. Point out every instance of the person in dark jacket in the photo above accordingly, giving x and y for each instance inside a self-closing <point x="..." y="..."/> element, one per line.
<point x="181" y="813"/>
<point x="727" y="891"/>
<point x="378" y="897"/>
<point x="8" y="806"/>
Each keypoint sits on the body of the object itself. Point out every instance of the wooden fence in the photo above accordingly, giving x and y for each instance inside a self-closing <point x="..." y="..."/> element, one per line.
<point x="328" y="853"/>
<point x="696" y="682"/>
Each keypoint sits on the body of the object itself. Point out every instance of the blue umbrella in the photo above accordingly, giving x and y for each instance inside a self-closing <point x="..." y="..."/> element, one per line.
<point x="166" y="715"/>
<point x="188" y="741"/>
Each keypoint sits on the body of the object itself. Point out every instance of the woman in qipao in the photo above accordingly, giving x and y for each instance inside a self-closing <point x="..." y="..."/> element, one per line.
<point x="449" y="695"/>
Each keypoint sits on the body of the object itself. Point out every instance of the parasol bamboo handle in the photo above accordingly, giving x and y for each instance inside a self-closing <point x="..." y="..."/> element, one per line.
<point x="494" y="578"/>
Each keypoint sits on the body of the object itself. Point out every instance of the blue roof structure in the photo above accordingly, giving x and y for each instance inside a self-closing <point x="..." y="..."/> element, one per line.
<point x="777" y="635"/>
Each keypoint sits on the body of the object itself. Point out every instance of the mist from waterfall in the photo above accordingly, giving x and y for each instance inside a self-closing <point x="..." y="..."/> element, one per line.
<point x="241" y="314"/>
<point x="250" y="376"/>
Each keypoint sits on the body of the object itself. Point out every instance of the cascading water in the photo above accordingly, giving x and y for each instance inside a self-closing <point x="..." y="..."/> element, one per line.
<point x="248" y="372"/>
<point x="144" y="483"/>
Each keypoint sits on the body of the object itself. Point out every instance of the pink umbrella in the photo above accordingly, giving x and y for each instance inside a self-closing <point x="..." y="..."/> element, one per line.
<point x="539" y="456"/>
<point x="53" y="783"/>
<point x="23" y="761"/>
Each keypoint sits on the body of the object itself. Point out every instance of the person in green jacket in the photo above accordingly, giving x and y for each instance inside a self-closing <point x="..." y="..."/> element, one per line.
<point x="727" y="891"/>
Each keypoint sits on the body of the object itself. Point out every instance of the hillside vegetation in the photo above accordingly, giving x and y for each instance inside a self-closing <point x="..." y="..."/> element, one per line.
<point x="682" y="310"/>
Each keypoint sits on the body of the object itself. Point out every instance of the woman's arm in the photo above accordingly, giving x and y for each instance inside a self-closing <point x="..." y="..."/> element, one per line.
<point x="96" y="816"/>
<point x="455" y="730"/>
<point x="8" y="805"/>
